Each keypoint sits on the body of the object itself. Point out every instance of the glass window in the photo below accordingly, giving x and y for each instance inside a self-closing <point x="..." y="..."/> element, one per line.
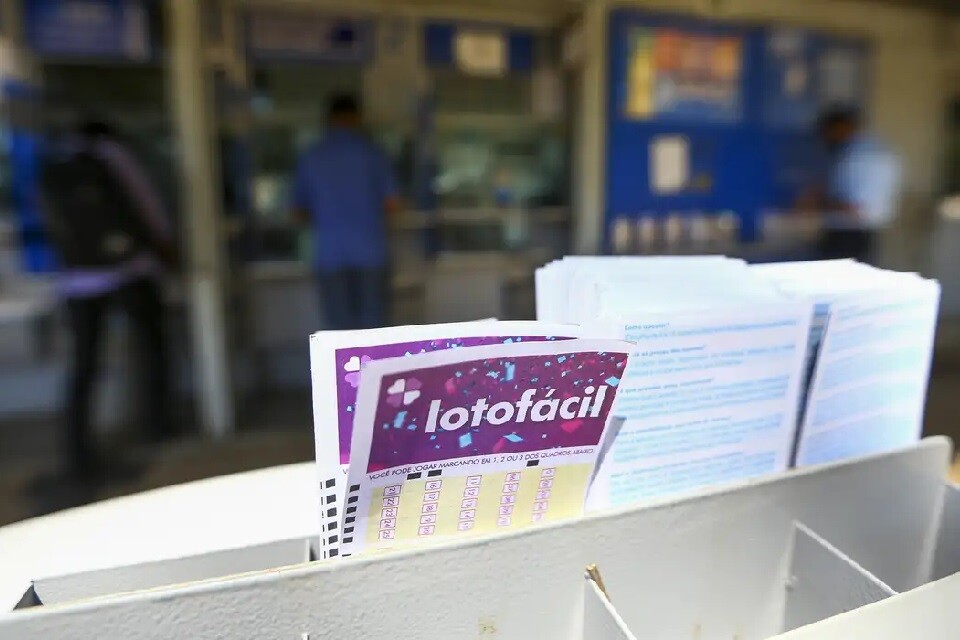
<point x="492" y="149"/>
<point x="289" y="105"/>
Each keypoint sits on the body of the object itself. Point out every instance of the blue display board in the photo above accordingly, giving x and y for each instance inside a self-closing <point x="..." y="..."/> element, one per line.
<point x="89" y="28"/>
<point x="743" y="99"/>
<point x="285" y="34"/>
<point x="709" y="102"/>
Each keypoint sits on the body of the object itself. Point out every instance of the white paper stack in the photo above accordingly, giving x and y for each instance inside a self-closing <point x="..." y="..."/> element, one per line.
<point x="869" y="356"/>
<point x="741" y="370"/>
<point x="712" y="390"/>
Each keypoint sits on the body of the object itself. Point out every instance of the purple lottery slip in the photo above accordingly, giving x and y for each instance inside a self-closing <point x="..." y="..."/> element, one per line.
<point x="337" y="362"/>
<point x="477" y="440"/>
<point x="350" y="361"/>
<point x="493" y="406"/>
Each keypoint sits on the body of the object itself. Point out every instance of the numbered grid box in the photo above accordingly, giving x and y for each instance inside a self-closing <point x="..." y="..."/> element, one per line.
<point x="471" y="492"/>
<point x="430" y="507"/>
<point x="465" y="525"/>
<point x="389" y="512"/>
<point x="389" y="523"/>
<point x="432" y="496"/>
<point x="503" y="521"/>
<point x="389" y="534"/>
<point x="433" y="485"/>
<point x="391" y="502"/>
<point x="508" y="499"/>
<point x="468" y="514"/>
<point x="511" y="488"/>
<point x="512" y="477"/>
<point x="426" y="530"/>
<point x="543" y="495"/>
<point x="469" y="503"/>
<point x="474" y="481"/>
<point x="538" y="517"/>
<point x="506" y="511"/>
<point x="540" y="506"/>
<point x="392" y="490"/>
<point x="428" y="519"/>
<point x="548" y="473"/>
<point x="546" y="484"/>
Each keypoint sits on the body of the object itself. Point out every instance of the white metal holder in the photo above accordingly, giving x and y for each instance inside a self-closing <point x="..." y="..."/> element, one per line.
<point x="746" y="562"/>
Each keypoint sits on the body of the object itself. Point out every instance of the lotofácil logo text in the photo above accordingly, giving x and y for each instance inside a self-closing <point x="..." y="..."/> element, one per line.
<point x="523" y="410"/>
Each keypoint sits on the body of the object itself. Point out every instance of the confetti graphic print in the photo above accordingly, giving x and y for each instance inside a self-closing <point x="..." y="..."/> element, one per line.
<point x="402" y="432"/>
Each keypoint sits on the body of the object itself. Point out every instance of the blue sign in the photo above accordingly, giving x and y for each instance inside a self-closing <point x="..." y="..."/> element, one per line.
<point x="309" y="37"/>
<point x="678" y="76"/>
<point x="790" y="79"/>
<point x="89" y="28"/>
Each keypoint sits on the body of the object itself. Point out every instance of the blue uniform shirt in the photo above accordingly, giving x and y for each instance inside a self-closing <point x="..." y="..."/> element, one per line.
<point x="343" y="182"/>
<point x="867" y="175"/>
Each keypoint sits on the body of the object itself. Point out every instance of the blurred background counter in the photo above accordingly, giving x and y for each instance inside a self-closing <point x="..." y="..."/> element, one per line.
<point x="520" y="131"/>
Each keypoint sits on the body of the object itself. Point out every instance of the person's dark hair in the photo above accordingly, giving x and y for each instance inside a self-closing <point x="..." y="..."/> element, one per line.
<point x="94" y="128"/>
<point x="839" y="115"/>
<point x="343" y="106"/>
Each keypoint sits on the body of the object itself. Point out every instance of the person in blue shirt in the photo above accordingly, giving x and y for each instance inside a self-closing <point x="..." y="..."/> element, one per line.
<point x="345" y="188"/>
<point x="860" y="196"/>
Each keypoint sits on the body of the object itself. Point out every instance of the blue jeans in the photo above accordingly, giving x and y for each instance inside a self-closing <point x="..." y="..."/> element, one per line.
<point x="355" y="298"/>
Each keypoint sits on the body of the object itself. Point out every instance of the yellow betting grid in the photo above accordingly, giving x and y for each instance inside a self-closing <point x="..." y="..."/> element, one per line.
<point x="464" y="505"/>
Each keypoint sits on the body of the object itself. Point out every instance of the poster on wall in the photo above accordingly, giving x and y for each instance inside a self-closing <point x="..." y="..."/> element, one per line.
<point x="669" y="164"/>
<point x="674" y="74"/>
